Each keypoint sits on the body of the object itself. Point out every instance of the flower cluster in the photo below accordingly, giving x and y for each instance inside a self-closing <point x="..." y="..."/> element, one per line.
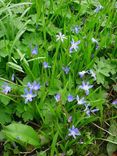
<point x="80" y="100"/>
<point x="31" y="91"/>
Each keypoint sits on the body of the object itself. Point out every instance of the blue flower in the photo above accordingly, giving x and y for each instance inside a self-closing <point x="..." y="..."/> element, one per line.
<point x="57" y="97"/>
<point x="6" y="88"/>
<point x="97" y="47"/>
<point x="28" y="96"/>
<point x="45" y="65"/>
<point x="80" y="101"/>
<point x="99" y="7"/>
<point x="66" y="69"/>
<point x="70" y="98"/>
<point x="70" y="119"/>
<point x="74" y="132"/>
<point x="74" y="46"/>
<point x="85" y="86"/>
<point x="76" y="29"/>
<point x="114" y="102"/>
<point x="88" y="110"/>
<point x="34" y="86"/>
<point x="82" y="73"/>
<point x="35" y="51"/>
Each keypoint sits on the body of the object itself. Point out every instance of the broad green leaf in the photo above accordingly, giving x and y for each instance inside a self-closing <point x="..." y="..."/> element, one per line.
<point x="27" y="116"/>
<point x="104" y="68"/>
<point x="111" y="148"/>
<point x="5" y="115"/>
<point x="5" y="100"/>
<point x="22" y="134"/>
<point x="113" y="129"/>
<point x="112" y="139"/>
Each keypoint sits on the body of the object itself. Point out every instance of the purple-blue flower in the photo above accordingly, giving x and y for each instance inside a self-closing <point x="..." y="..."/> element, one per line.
<point x="85" y="86"/>
<point x="70" y="119"/>
<point x="114" y="102"/>
<point x="74" y="46"/>
<point x="99" y="7"/>
<point x="70" y="98"/>
<point x="76" y="29"/>
<point x="35" y="50"/>
<point x="45" y="65"/>
<point x="66" y="69"/>
<point x="88" y="110"/>
<point x="97" y="47"/>
<point x="80" y="101"/>
<point x="82" y="73"/>
<point x="57" y="97"/>
<point x="6" y="88"/>
<point x="33" y="86"/>
<point x="28" y="96"/>
<point x="74" y="132"/>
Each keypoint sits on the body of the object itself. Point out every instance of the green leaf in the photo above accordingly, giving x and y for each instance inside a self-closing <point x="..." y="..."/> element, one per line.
<point x="54" y="144"/>
<point x="27" y="116"/>
<point x="3" y="50"/>
<point x="113" y="129"/>
<point x="111" y="148"/>
<point x="115" y="88"/>
<point x="22" y="134"/>
<point x="70" y="152"/>
<point x="5" y="100"/>
<point x="112" y="139"/>
<point x="15" y="66"/>
<point x="5" y="115"/>
<point x="42" y="153"/>
<point x="104" y="68"/>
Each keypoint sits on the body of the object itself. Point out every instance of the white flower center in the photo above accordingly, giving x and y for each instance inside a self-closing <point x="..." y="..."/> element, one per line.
<point x="29" y="96"/>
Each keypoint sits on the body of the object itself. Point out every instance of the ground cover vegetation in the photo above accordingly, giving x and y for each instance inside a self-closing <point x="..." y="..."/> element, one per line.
<point x="58" y="77"/>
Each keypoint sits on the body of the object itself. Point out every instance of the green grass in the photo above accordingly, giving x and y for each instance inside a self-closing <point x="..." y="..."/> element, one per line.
<point x="35" y="24"/>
